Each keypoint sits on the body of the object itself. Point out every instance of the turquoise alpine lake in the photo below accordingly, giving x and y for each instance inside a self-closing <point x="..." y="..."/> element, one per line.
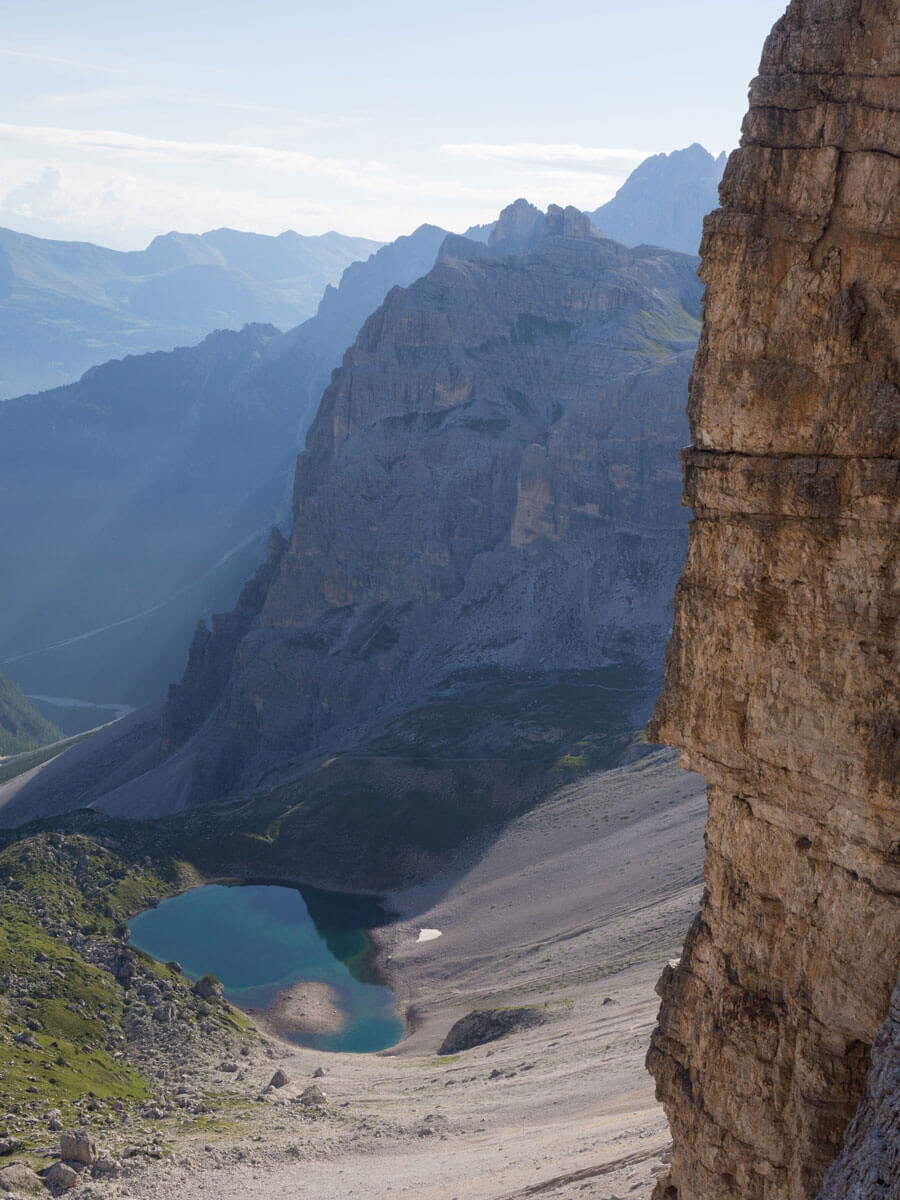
<point x="260" y="939"/>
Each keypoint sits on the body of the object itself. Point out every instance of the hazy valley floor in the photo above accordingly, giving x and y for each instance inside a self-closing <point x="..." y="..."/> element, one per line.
<point x="574" y="910"/>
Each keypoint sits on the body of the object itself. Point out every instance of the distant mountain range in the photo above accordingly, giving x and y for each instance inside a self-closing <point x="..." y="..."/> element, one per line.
<point x="143" y="494"/>
<point x="148" y="488"/>
<point x="473" y="599"/>
<point x="663" y="202"/>
<point x="67" y="306"/>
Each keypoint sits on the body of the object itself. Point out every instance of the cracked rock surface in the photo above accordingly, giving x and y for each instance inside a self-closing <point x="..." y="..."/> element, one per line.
<point x="781" y="675"/>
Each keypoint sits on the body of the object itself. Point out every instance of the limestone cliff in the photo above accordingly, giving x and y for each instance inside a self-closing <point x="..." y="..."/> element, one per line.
<point x="781" y="674"/>
<point x="496" y="448"/>
<point x="476" y="592"/>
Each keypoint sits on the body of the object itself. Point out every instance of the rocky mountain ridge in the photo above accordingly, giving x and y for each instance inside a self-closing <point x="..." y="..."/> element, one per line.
<point x="664" y="200"/>
<point x="474" y="596"/>
<point x="781" y="675"/>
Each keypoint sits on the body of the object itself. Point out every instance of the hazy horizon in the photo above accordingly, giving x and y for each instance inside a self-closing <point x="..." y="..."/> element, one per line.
<point x="123" y="124"/>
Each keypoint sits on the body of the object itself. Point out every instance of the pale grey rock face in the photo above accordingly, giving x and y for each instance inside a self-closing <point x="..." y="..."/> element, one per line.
<point x="489" y="487"/>
<point x="868" y="1168"/>
<point x="663" y="202"/>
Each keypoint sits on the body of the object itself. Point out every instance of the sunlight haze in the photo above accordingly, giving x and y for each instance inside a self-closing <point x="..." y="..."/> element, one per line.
<point x="120" y="123"/>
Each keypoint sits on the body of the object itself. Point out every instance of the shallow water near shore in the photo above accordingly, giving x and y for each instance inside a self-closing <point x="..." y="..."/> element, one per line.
<point x="262" y="939"/>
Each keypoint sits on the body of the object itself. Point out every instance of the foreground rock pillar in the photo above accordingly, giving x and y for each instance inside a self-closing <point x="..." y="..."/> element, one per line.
<point x="782" y="672"/>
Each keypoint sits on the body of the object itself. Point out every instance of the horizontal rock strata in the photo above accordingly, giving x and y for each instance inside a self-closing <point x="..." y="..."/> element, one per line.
<point x="781" y="675"/>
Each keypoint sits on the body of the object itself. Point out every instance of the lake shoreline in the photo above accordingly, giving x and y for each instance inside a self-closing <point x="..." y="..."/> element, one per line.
<point x="307" y="1008"/>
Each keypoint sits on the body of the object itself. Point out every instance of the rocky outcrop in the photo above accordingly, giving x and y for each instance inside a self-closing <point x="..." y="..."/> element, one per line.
<point x="868" y="1167"/>
<point x="488" y="1025"/>
<point x="781" y="675"/>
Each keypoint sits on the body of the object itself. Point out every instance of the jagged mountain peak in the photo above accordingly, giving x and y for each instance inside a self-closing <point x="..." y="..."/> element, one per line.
<point x="664" y="200"/>
<point x="518" y="226"/>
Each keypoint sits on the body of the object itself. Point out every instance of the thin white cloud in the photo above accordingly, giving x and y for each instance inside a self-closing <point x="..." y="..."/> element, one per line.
<point x="34" y="56"/>
<point x="368" y="176"/>
<point x="116" y="206"/>
<point x="149" y="93"/>
<point x="548" y="154"/>
<point x="170" y="150"/>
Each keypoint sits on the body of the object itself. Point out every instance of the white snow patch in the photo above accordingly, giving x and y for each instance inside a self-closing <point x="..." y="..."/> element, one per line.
<point x="428" y="935"/>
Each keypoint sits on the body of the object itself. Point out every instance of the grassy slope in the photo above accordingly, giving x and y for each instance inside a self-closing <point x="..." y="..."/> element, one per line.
<point x="21" y="725"/>
<point x="77" y="1030"/>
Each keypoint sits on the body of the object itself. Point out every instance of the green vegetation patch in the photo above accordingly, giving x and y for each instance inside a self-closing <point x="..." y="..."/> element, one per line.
<point x="61" y="1020"/>
<point x="84" y="1018"/>
<point x="21" y="725"/>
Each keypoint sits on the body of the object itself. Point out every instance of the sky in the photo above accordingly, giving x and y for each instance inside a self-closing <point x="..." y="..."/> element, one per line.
<point x="119" y="121"/>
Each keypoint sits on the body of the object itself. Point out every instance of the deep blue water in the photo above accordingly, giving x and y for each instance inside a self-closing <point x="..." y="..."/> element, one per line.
<point x="259" y="939"/>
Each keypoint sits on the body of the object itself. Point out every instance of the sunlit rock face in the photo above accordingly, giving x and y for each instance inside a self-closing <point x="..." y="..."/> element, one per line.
<point x="781" y="674"/>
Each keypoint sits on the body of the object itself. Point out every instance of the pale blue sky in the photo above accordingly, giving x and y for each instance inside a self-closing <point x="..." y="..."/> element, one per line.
<point x="118" y="123"/>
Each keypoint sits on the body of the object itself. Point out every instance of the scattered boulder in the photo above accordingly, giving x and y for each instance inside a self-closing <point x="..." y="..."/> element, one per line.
<point x="208" y="988"/>
<point x="174" y="967"/>
<point x="60" y="1178"/>
<point x="18" y="1177"/>
<point x="55" y="1124"/>
<point x="9" y="1145"/>
<point x="279" y="1079"/>
<point x="106" y="1166"/>
<point x="77" y="1147"/>
<point x="318" y="1073"/>
<point x="487" y="1025"/>
<point x="228" y="1067"/>
<point x="313" y="1097"/>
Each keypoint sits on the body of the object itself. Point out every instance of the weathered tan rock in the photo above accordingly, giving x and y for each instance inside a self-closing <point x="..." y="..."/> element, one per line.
<point x="19" y="1178"/>
<point x="77" y="1147"/>
<point x="781" y="675"/>
<point x="60" y="1178"/>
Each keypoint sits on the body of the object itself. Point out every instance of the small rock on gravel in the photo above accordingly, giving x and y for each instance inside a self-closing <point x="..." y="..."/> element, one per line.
<point x="279" y="1079"/>
<point x="60" y="1178"/>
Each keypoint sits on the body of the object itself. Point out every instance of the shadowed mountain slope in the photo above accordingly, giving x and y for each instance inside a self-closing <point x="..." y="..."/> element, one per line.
<point x="147" y="489"/>
<point x="475" y="594"/>
<point x="21" y="725"/>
